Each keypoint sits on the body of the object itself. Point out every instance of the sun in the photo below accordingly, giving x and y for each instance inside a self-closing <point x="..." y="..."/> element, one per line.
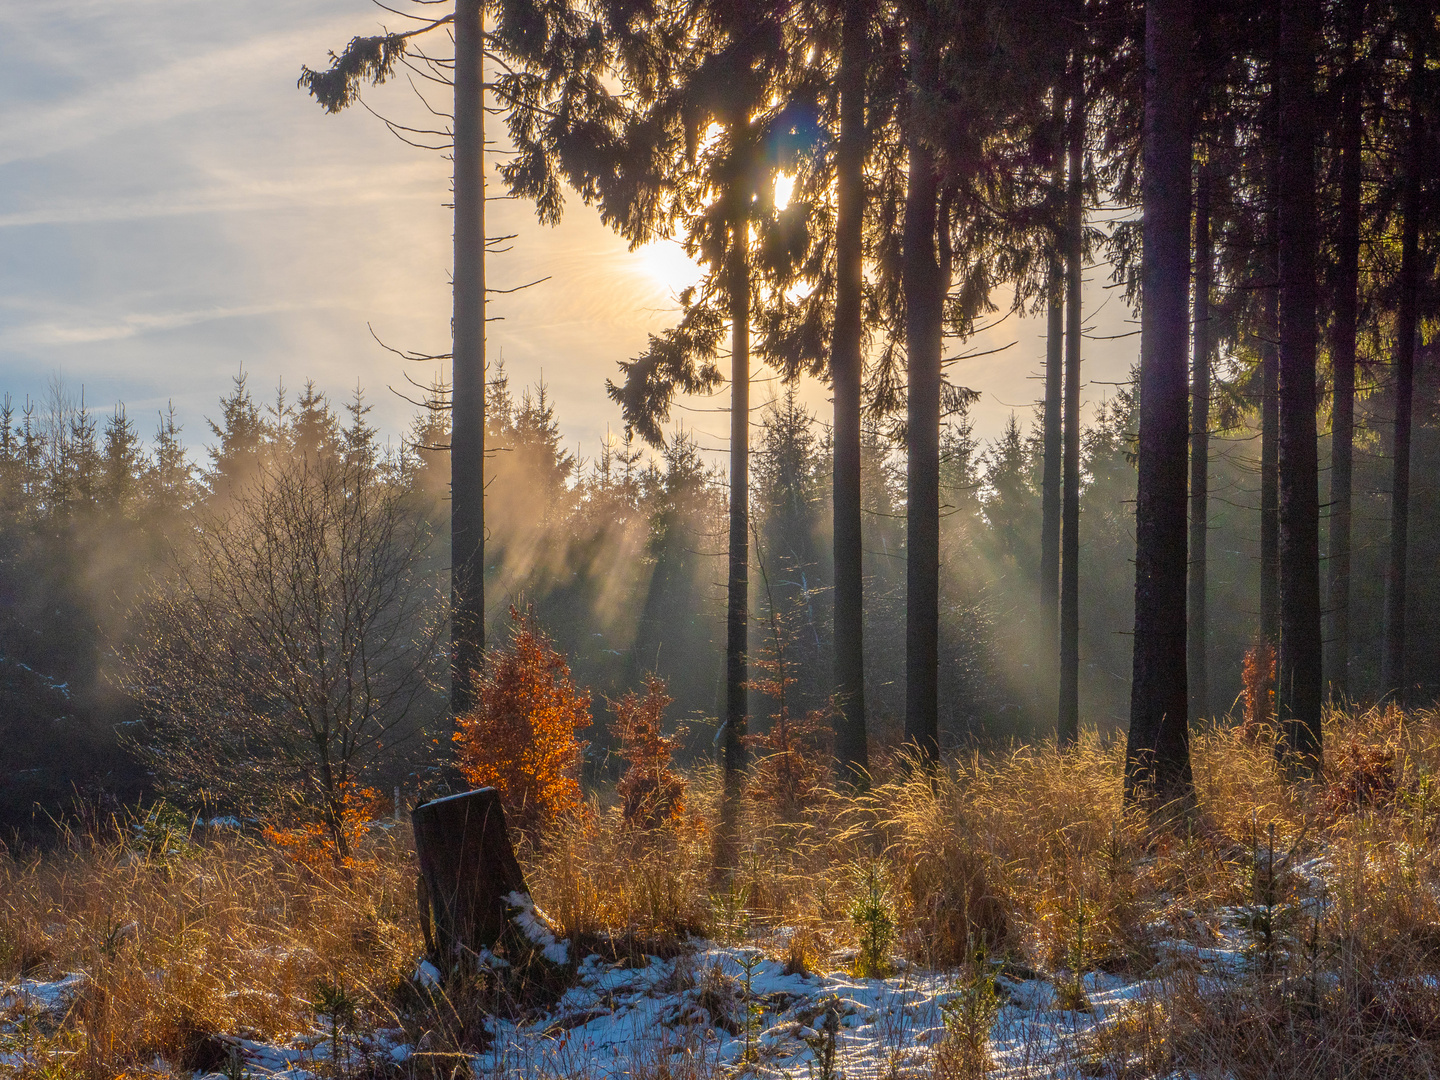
<point x="664" y="264"/>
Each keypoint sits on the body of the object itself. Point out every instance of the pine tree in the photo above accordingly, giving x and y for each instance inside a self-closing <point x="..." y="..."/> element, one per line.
<point x="1068" y="719"/>
<point x="1342" y="351"/>
<point x="846" y="377"/>
<point x="314" y="429"/>
<point x="374" y="59"/>
<point x="1392" y="665"/>
<point x="124" y="463"/>
<point x="1197" y="629"/>
<point x="171" y="478"/>
<point x="242" y="433"/>
<point x="925" y="290"/>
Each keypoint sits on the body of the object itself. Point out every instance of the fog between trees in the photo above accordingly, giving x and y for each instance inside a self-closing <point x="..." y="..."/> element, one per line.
<point x="621" y="559"/>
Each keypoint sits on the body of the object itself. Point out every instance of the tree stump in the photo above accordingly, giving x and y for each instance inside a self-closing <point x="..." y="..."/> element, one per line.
<point x="468" y="871"/>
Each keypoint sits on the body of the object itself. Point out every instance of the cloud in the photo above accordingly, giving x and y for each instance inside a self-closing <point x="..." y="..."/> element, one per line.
<point x="52" y="333"/>
<point x="123" y="79"/>
<point x="389" y="186"/>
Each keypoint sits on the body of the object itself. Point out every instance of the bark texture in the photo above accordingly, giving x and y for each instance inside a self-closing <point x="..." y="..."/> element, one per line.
<point x="1270" y="433"/>
<point x="1050" y="479"/>
<point x="846" y="373"/>
<point x="467" y="872"/>
<point x="923" y="302"/>
<point x="1067" y="723"/>
<point x="1392" y="665"/>
<point x="1299" y="692"/>
<point x="737" y="626"/>
<point x="467" y="438"/>
<point x="1196" y="655"/>
<point x="1342" y="362"/>
<point x="1157" y="764"/>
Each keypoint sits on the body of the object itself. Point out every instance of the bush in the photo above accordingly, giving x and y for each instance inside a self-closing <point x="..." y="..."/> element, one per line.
<point x="310" y="841"/>
<point x="651" y="791"/>
<point x="290" y="653"/>
<point x="520" y="736"/>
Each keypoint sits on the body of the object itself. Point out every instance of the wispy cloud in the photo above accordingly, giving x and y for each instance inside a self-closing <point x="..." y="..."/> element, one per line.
<point x="88" y="332"/>
<point x="204" y="78"/>
<point x="397" y="184"/>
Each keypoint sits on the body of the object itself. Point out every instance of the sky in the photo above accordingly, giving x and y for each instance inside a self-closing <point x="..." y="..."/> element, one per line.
<point x="174" y="210"/>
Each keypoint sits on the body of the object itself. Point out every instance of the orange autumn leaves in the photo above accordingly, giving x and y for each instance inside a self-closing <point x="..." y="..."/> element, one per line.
<point x="329" y="838"/>
<point x="520" y="738"/>
<point x="652" y="792"/>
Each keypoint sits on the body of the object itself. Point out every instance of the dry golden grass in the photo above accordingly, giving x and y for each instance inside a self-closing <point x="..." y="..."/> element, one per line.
<point x="180" y="940"/>
<point x="1028" y="855"/>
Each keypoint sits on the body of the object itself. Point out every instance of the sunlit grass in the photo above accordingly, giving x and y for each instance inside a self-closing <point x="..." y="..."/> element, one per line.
<point x="1027" y="855"/>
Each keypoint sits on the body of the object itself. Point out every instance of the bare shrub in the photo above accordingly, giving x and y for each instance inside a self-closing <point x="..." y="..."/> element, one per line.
<point x="291" y="650"/>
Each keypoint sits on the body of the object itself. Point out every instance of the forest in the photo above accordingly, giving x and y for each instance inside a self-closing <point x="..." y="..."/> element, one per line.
<point x="861" y="744"/>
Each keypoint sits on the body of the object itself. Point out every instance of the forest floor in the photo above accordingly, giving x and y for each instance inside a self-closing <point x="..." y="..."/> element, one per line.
<point x="1005" y="918"/>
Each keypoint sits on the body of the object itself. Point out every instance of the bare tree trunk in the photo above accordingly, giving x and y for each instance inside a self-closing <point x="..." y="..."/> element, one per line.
<point x="1270" y="430"/>
<point x="1067" y="726"/>
<point x="1050" y="481"/>
<point x="1197" y="668"/>
<point x="1342" y="361"/>
<point x="467" y="438"/>
<point x="1157" y="756"/>
<point x="1392" y="666"/>
<point x="846" y="374"/>
<point x="923" y="300"/>
<point x="737" y="611"/>
<point x="1053" y="440"/>
<point x="1300" y="689"/>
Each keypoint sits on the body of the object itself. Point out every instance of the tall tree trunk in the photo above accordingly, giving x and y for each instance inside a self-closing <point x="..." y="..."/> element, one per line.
<point x="1196" y="666"/>
<point x="1050" y="478"/>
<point x="923" y="304"/>
<point x="1270" y="434"/>
<point x="846" y="374"/>
<point x="1342" y="360"/>
<point x="1053" y="439"/>
<point x="1392" y="666"/>
<point x="1067" y="726"/>
<point x="1157" y="755"/>
<point x="1270" y="378"/>
<point x="467" y="437"/>
<point x="1300" y="689"/>
<point x="737" y="625"/>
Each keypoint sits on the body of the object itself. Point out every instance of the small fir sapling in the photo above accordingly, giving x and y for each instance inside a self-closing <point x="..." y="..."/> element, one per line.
<point x="872" y="913"/>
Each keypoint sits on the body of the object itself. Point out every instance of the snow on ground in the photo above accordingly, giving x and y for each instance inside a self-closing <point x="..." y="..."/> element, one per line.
<point x="618" y="1019"/>
<point x="704" y="1012"/>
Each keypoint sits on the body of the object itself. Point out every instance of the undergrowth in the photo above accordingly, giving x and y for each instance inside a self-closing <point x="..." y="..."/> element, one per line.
<point x="1017" y="862"/>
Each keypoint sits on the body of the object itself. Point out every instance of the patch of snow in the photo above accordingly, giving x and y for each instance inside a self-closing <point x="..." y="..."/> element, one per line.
<point x="536" y="928"/>
<point x="34" y="995"/>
